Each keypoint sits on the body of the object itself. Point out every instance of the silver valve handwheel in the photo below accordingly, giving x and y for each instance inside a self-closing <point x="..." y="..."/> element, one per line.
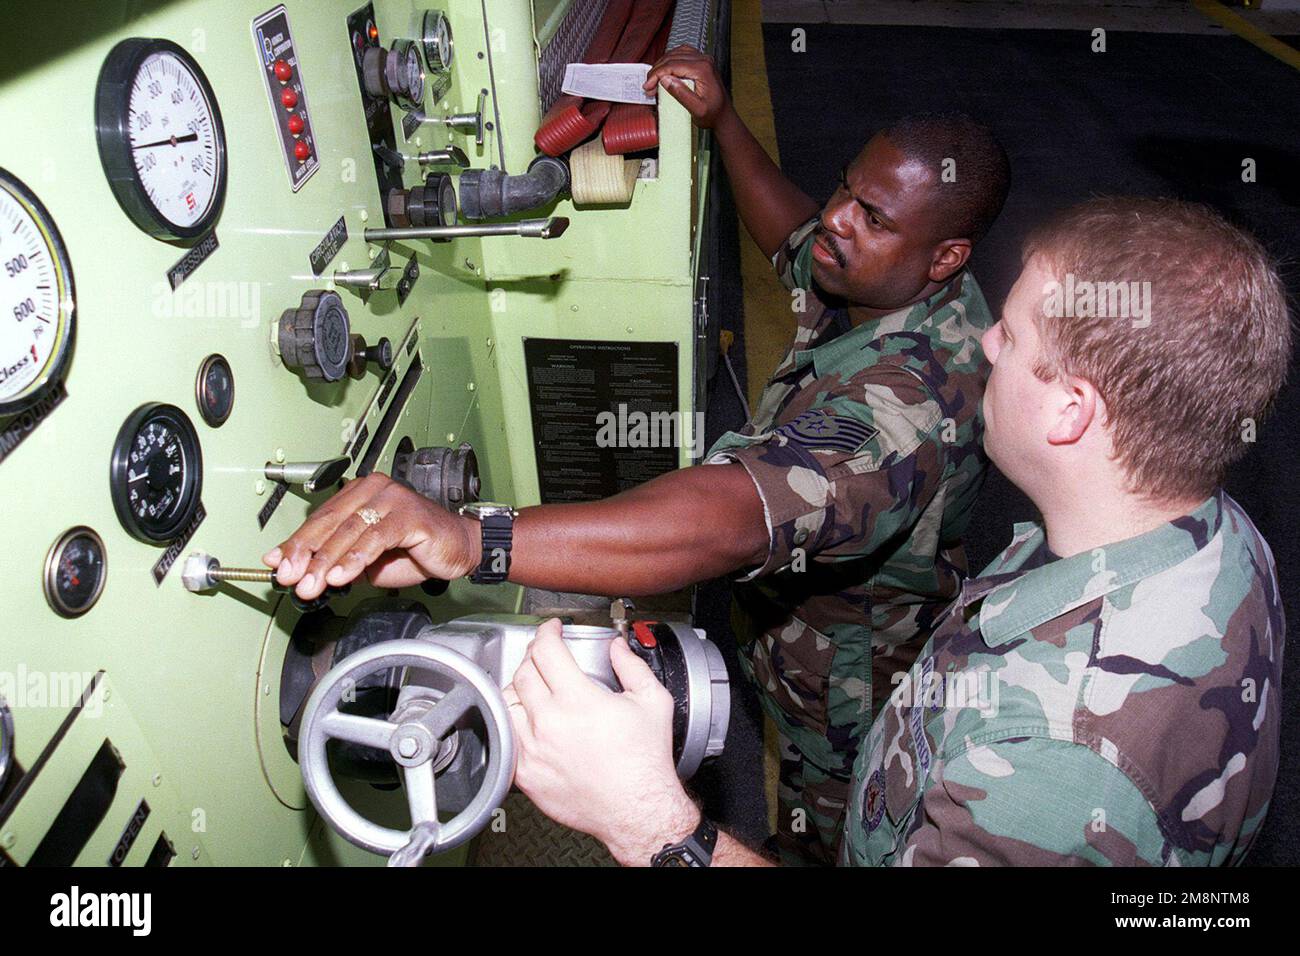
<point x="412" y="735"/>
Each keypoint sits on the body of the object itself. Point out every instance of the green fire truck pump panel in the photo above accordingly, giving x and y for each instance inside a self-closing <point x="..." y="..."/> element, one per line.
<point x="251" y="253"/>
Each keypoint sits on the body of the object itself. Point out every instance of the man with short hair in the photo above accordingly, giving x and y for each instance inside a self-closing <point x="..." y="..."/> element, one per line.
<point x="842" y="502"/>
<point x="1107" y="691"/>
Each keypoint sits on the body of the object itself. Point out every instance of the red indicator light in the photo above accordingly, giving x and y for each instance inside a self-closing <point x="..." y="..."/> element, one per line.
<point x="296" y="124"/>
<point x="302" y="151"/>
<point x="372" y="31"/>
<point x="289" y="97"/>
<point x="283" y="71"/>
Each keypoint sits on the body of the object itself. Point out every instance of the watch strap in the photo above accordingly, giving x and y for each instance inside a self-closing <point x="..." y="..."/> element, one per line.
<point x="696" y="850"/>
<point x="498" y="537"/>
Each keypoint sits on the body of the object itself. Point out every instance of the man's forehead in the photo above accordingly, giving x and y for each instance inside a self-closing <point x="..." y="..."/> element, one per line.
<point x="887" y="178"/>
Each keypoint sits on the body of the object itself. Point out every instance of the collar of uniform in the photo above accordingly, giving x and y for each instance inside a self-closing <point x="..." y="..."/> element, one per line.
<point x="1016" y="599"/>
<point x="913" y="317"/>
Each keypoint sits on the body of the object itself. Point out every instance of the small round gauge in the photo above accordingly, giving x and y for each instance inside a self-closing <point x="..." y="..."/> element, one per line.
<point x="37" y="301"/>
<point x="156" y="474"/>
<point x="405" y="74"/>
<point x="161" y="139"/>
<point x="214" y="390"/>
<point x="75" y="571"/>
<point x="6" y="741"/>
<point x="436" y="41"/>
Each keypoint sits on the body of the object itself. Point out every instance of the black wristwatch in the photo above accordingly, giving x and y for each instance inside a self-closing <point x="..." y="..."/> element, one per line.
<point x="695" y="850"/>
<point x="498" y="525"/>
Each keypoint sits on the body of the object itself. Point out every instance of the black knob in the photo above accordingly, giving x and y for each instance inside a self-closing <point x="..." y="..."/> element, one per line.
<point x="381" y="353"/>
<point x="314" y="338"/>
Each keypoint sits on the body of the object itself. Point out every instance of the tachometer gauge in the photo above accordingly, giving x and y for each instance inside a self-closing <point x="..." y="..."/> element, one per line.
<point x="161" y="139"/>
<point x="75" y="572"/>
<point x="156" y="473"/>
<point x="37" y="301"/>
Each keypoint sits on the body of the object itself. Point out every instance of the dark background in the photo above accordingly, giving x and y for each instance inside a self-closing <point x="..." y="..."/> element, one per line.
<point x="1157" y="114"/>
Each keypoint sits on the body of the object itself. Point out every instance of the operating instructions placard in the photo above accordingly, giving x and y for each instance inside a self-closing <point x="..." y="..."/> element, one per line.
<point x="604" y="415"/>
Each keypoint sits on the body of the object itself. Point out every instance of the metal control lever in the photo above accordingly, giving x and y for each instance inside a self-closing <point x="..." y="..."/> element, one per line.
<point x="381" y="275"/>
<point x="465" y="122"/>
<point x="451" y="156"/>
<point x="551" y="228"/>
<point x="312" y="475"/>
<point x="202" y="573"/>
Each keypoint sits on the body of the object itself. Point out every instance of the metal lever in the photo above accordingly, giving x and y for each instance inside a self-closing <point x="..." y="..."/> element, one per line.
<point x="451" y="156"/>
<point x="551" y="228"/>
<point x="378" y="277"/>
<point x="464" y="122"/>
<point x="202" y="573"/>
<point x="312" y="475"/>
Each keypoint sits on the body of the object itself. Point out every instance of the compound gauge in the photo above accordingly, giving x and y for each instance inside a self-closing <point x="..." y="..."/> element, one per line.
<point x="37" y="302"/>
<point x="156" y="474"/>
<point x="161" y="140"/>
<point x="75" y="572"/>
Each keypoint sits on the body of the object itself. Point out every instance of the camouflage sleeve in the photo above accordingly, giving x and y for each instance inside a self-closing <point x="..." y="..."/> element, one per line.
<point x="1033" y="801"/>
<point x="793" y="261"/>
<point x="848" y="472"/>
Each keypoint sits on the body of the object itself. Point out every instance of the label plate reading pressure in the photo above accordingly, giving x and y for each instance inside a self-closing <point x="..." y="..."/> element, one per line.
<point x="282" y="76"/>
<point x="604" y="415"/>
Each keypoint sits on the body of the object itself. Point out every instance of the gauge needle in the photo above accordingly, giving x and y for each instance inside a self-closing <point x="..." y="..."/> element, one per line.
<point x="170" y="141"/>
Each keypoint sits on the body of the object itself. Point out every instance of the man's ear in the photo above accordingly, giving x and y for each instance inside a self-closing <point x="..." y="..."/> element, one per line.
<point x="949" y="256"/>
<point x="1075" y="402"/>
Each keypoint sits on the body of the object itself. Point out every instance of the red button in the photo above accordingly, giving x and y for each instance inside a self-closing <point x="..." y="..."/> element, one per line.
<point x="283" y="71"/>
<point x="289" y="97"/>
<point x="302" y="151"/>
<point x="296" y="124"/>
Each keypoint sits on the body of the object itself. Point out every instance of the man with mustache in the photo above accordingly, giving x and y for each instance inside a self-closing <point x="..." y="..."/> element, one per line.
<point x="842" y="502"/>
<point x="1107" y="691"/>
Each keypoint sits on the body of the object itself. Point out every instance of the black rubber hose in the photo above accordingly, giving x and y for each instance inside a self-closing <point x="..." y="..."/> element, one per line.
<point x="489" y="193"/>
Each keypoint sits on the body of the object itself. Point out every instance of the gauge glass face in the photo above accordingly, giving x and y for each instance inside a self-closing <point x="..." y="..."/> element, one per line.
<point x="437" y="40"/>
<point x="36" y="303"/>
<point x="414" y="74"/>
<point x="157" y="473"/>
<point x="174" y="140"/>
<point x="216" y="392"/>
<point x="75" y="575"/>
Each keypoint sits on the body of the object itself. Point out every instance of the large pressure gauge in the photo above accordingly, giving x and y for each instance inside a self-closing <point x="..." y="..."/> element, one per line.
<point x="160" y="138"/>
<point x="156" y="473"/>
<point x="37" y="301"/>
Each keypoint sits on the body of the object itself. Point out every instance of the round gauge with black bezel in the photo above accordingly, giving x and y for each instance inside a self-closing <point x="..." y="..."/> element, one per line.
<point x="214" y="390"/>
<point x="75" y="572"/>
<point x="156" y="474"/>
<point x="37" y="300"/>
<point x="161" y="139"/>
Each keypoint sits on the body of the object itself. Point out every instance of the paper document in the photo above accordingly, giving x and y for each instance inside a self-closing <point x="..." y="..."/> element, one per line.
<point x="616" y="82"/>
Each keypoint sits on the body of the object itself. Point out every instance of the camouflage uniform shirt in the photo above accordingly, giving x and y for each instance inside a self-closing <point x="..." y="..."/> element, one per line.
<point x="1120" y="706"/>
<point x="865" y="449"/>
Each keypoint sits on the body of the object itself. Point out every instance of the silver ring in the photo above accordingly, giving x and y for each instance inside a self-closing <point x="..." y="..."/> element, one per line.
<point x="370" y="516"/>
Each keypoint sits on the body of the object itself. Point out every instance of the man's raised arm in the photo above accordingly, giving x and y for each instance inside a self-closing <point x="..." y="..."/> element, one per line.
<point x="770" y="205"/>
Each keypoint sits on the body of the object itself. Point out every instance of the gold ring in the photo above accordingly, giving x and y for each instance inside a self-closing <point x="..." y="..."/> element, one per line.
<point x="370" y="516"/>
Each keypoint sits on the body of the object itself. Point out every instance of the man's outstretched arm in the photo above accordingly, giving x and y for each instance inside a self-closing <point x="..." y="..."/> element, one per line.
<point x="687" y="526"/>
<point x="770" y="205"/>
